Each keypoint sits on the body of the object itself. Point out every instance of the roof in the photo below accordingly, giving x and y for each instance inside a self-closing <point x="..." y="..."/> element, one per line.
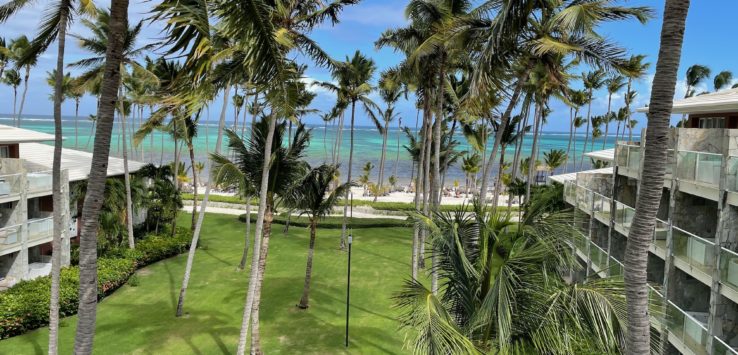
<point x="561" y="178"/>
<point x="716" y="102"/>
<point x="607" y="155"/>
<point x="39" y="157"/>
<point x="12" y="135"/>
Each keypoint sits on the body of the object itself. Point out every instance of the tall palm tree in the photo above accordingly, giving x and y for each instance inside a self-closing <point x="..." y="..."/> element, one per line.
<point x="391" y="92"/>
<point x="23" y="56"/>
<point x="613" y="84"/>
<point x="576" y="99"/>
<point x="514" y="131"/>
<point x="554" y="159"/>
<point x="312" y="195"/>
<point x="4" y="55"/>
<point x="695" y="75"/>
<point x="592" y="81"/>
<point x="635" y="69"/>
<point x="353" y="77"/>
<point x="470" y="165"/>
<point x="501" y="296"/>
<point x="652" y="177"/>
<point x="238" y="101"/>
<point x="13" y="79"/>
<point x="722" y="80"/>
<point x="578" y="123"/>
<point x="86" y="312"/>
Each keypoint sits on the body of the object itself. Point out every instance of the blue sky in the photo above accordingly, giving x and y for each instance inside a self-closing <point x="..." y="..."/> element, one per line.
<point x="707" y="41"/>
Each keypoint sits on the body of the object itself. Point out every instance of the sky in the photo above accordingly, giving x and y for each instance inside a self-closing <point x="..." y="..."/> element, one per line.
<point x="707" y="41"/>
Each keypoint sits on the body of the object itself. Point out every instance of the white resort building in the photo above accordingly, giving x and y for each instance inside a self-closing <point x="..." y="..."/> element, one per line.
<point x="693" y="259"/>
<point x="26" y="204"/>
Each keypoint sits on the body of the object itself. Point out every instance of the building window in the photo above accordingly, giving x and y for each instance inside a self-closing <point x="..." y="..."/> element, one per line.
<point x="4" y="151"/>
<point x="712" y="122"/>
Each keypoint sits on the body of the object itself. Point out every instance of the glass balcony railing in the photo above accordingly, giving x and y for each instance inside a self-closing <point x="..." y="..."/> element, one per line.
<point x="10" y="185"/>
<point x="669" y="160"/>
<point x="695" y="251"/>
<point x="39" y="181"/>
<point x="729" y="268"/>
<point x="584" y="199"/>
<point x="732" y="178"/>
<point x="10" y="236"/>
<point x="624" y="215"/>
<point x="660" y="233"/>
<point x="628" y="156"/>
<point x="616" y="268"/>
<point x="720" y="348"/>
<point x="570" y="192"/>
<point x="699" y="166"/>
<point x="689" y="327"/>
<point x="602" y="207"/>
<point x="40" y="228"/>
<point x="598" y="256"/>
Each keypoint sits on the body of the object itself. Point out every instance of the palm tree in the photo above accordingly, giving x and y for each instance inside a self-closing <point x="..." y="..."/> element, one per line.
<point x="96" y="181"/>
<point x="635" y="69"/>
<point x="13" y="79"/>
<point x="554" y="159"/>
<point x="238" y="101"/>
<point x="470" y="165"/>
<point x="722" y="80"/>
<point x="353" y="87"/>
<point x="613" y="85"/>
<point x="652" y="177"/>
<point x="4" y="55"/>
<point x="312" y="196"/>
<point x="695" y="75"/>
<point x="592" y="81"/>
<point x="390" y="91"/>
<point x="23" y="56"/>
<point x="502" y="297"/>
<point x="514" y="131"/>
<point x="576" y="99"/>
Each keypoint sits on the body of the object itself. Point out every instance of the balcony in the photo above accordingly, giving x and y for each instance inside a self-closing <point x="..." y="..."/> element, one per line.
<point x="584" y="199"/>
<point x="623" y="216"/>
<point x="10" y="185"/>
<point x="598" y="256"/>
<point x="570" y="192"/>
<point x="602" y="208"/>
<point x="39" y="181"/>
<point x="690" y="328"/>
<point x="628" y="156"/>
<point x="699" y="167"/>
<point x="694" y="251"/>
<point x="42" y="228"/>
<point x="10" y="236"/>
<point x="720" y="348"/>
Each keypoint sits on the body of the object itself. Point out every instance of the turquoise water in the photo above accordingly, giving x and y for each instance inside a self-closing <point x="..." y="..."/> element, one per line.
<point x="367" y="145"/>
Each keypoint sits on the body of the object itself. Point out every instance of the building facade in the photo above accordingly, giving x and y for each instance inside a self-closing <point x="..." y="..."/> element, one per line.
<point x="693" y="257"/>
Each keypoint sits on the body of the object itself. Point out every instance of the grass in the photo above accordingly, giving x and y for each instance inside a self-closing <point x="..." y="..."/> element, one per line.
<point x="379" y="205"/>
<point x="141" y="319"/>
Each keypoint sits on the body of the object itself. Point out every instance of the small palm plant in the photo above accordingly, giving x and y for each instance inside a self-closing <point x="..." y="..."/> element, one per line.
<point x="311" y="196"/>
<point x="505" y="291"/>
<point x="554" y="159"/>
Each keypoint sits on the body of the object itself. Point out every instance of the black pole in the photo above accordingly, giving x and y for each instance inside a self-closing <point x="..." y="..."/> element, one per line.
<point x="348" y="277"/>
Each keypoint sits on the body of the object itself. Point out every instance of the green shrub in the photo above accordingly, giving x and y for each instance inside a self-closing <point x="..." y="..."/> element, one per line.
<point x="336" y="222"/>
<point x="25" y="306"/>
<point x="133" y="281"/>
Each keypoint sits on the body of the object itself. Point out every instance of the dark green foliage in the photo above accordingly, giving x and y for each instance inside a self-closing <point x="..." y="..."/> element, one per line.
<point x="25" y="306"/>
<point x="336" y="222"/>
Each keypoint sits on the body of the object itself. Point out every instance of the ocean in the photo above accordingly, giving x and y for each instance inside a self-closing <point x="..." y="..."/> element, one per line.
<point x="367" y="145"/>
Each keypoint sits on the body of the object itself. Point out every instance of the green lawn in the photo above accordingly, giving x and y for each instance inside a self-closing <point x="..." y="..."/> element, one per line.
<point x="141" y="319"/>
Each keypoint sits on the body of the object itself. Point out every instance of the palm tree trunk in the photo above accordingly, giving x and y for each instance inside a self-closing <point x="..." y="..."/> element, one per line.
<point x="257" y="238"/>
<point x="586" y="135"/>
<point x="175" y="175"/>
<point x="428" y="148"/>
<point x="498" y="179"/>
<point x="191" y="148"/>
<point x="255" y="330"/>
<point x="15" y="102"/>
<point x="304" y="301"/>
<point x="126" y="175"/>
<point x="571" y="135"/>
<point x="607" y="121"/>
<point x="652" y="177"/>
<point x="201" y="215"/>
<point x="56" y="188"/>
<point x="382" y="158"/>
<point x="397" y="156"/>
<point x="25" y="91"/>
<point x="500" y="130"/>
<point x="244" y="256"/>
<point x="348" y="177"/>
<point x="76" y="123"/>
<point x="87" y="309"/>
<point x="418" y="232"/>
<point x="447" y="163"/>
<point x="627" y="108"/>
<point x="534" y="150"/>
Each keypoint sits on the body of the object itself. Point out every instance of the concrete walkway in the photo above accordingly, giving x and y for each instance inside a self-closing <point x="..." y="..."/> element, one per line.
<point x="238" y="212"/>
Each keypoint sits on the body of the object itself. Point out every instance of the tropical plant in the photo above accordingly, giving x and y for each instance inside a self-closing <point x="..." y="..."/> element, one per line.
<point x="504" y="291"/>
<point x="312" y="195"/>
<point x="613" y="85"/>
<point x="652" y="177"/>
<point x="695" y="75"/>
<point x="24" y="56"/>
<point x="470" y="165"/>
<point x="576" y="99"/>
<point x="12" y="78"/>
<point x="592" y="81"/>
<point x="554" y="159"/>
<point x="722" y="80"/>
<point x="634" y="69"/>
<point x="391" y="92"/>
<point x="353" y="77"/>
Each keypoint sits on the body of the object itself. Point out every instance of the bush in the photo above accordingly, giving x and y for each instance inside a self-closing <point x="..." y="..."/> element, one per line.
<point x="336" y="222"/>
<point x="25" y="306"/>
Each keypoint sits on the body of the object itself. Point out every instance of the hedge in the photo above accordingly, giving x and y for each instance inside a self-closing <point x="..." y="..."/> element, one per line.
<point x="336" y="222"/>
<point x="25" y="306"/>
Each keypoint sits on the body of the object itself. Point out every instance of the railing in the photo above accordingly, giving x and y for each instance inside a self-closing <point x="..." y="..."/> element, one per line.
<point x="10" y="235"/>
<point x="602" y="207"/>
<point x="598" y="256"/>
<point x="732" y="178"/>
<point x="660" y="233"/>
<point x="39" y="181"/>
<point x="616" y="267"/>
<point x="584" y="199"/>
<point x="695" y="251"/>
<point x="628" y="156"/>
<point x="687" y="328"/>
<point x="623" y="215"/>
<point x="720" y="348"/>
<point x="10" y="185"/>
<point x="729" y="268"/>
<point x="699" y="166"/>
<point x="570" y="192"/>
<point x="40" y="228"/>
